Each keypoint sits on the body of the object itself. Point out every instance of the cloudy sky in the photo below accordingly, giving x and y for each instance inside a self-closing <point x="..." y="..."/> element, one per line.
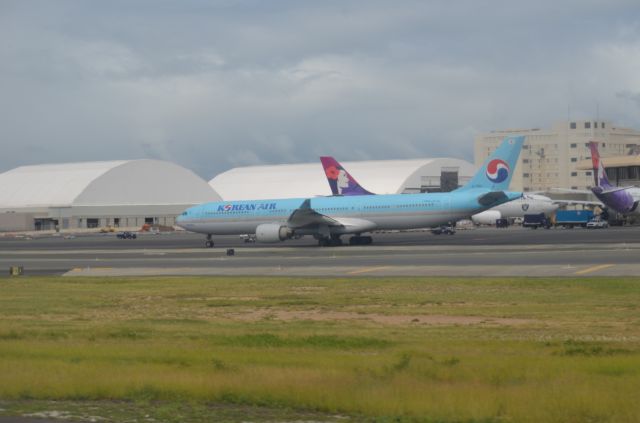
<point x="217" y="84"/>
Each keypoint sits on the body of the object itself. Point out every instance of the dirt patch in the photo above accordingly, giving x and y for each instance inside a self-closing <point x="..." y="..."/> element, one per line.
<point x="384" y="319"/>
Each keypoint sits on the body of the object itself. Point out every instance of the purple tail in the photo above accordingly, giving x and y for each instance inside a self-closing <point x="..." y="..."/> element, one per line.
<point x="616" y="198"/>
<point x="340" y="181"/>
<point x="599" y="174"/>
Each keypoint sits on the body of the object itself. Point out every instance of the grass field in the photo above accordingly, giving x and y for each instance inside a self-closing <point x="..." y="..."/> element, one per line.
<point x="397" y="349"/>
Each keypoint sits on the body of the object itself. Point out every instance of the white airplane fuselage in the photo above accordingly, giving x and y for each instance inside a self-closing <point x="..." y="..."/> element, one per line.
<point x="527" y="204"/>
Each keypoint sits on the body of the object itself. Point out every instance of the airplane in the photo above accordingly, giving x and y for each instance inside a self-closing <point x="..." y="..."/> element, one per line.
<point x="527" y="204"/>
<point x="328" y="218"/>
<point x="342" y="183"/>
<point x="624" y="200"/>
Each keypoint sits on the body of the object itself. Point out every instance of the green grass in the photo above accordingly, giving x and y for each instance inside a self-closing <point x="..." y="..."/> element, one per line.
<point x="397" y="349"/>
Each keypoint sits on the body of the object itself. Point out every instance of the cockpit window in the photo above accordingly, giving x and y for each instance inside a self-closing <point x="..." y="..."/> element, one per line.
<point x="184" y="213"/>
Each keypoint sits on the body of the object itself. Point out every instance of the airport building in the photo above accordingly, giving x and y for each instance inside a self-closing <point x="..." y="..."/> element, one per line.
<point x="621" y="171"/>
<point x="98" y="194"/>
<point x="308" y="179"/>
<point x="551" y="157"/>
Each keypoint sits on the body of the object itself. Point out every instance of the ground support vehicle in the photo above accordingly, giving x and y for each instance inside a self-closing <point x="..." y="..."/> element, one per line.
<point x="535" y="221"/>
<point x="571" y="218"/>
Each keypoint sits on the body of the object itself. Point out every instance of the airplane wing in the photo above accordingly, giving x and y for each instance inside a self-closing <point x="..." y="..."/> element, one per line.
<point x="577" y="202"/>
<point x="616" y="189"/>
<point x="571" y="191"/>
<point x="306" y="216"/>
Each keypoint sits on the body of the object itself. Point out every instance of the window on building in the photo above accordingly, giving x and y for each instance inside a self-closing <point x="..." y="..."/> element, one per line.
<point x="602" y="125"/>
<point x="93" y="223"/>
<point x="574" y="187"/>
<point x="572" y="125"/>
<point x="588" y="173"/>
<point x="525" y="175"/>
<point x="574" y="159"/>
<point x="623" y="173"/>
<point x="587" y="125"/>
<point x="611" y="173"/>
<point x="574" y="173"/>
<point x="595" y="125"/>
<point x="525" y="160"/>
<point x="574" y="145"/>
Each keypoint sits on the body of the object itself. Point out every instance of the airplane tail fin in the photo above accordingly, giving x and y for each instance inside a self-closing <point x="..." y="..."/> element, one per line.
<point x="340" y="181"/>
<point x="496" y="172"/>
<point x="599" y="173"/>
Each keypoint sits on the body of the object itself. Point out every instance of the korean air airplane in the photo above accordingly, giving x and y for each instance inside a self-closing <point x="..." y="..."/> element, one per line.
<point x="329" y="218"/>
<point x="624" y="200"/>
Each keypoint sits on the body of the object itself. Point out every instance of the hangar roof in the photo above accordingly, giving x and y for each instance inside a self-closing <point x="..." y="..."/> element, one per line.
<point x="308" y="179"/>
<point x="122" y="182"/>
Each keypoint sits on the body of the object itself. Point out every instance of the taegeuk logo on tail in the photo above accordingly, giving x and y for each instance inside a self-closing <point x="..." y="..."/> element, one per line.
<point x="497" y="171"/>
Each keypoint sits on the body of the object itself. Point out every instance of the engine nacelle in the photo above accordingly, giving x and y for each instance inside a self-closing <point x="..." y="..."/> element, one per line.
<point x="272" y="232"/>
<point x="487" y="217"/>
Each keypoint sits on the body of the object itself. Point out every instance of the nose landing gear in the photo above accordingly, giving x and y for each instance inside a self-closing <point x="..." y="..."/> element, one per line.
<point x="209" y="242"/>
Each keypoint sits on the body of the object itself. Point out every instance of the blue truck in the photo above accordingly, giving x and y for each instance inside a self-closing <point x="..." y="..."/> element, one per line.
<point x="571" y="218"/>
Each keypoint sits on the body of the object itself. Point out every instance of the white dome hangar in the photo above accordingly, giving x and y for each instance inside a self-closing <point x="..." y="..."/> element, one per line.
<point x="308" y="179"/>
<point x="126" y="193"/>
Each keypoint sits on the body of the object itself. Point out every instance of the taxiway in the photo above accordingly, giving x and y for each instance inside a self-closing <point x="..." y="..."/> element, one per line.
<point x="475" y="252"/>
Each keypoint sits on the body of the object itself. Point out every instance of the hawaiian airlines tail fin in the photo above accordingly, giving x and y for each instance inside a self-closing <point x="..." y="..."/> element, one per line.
<point x="599" y="174"/>
<point x="496" y="172"/>
<point x="340" y="181"/>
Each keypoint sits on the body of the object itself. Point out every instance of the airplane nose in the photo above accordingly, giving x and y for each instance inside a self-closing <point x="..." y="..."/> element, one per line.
<point x="180" y="219"/>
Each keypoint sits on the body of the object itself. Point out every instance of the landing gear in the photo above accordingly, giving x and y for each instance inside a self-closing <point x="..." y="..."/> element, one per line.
<point x="360" y="240"/>
<point x="334" y="241"/>
<point x="209" y="242"/>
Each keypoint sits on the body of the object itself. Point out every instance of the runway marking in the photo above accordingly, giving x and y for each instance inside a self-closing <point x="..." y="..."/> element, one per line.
<point x="367" y="270"/>
<point x="594" y="269"/>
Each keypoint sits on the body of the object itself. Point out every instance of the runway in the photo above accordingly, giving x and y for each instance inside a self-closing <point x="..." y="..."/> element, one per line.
<point x="474" y="252"/>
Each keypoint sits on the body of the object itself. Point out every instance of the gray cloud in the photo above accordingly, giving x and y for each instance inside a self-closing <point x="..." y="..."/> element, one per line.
<point x="211" y="85"/>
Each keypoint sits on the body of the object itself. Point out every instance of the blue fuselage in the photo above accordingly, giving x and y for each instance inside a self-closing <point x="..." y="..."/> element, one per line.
<point x="383" y="212"/>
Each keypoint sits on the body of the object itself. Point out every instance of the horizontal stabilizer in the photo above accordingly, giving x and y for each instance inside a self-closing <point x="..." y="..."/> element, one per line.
<point x="494" y="197"/>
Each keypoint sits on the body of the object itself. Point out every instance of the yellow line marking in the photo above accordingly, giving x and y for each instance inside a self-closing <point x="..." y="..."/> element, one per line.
<point x="366" y="270"/>
<point x="593" y="269"/>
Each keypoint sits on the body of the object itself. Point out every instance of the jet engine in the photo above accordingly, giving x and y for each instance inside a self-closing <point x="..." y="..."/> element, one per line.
<point x="487" y="217"/>
<point x="272" y="232"/>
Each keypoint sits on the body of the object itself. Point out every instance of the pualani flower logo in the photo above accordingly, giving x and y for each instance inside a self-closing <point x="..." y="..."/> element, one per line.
<point x="332" y="172"/>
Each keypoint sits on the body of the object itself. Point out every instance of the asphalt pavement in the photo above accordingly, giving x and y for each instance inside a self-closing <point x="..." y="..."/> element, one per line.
<point x="486" y="252"/>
